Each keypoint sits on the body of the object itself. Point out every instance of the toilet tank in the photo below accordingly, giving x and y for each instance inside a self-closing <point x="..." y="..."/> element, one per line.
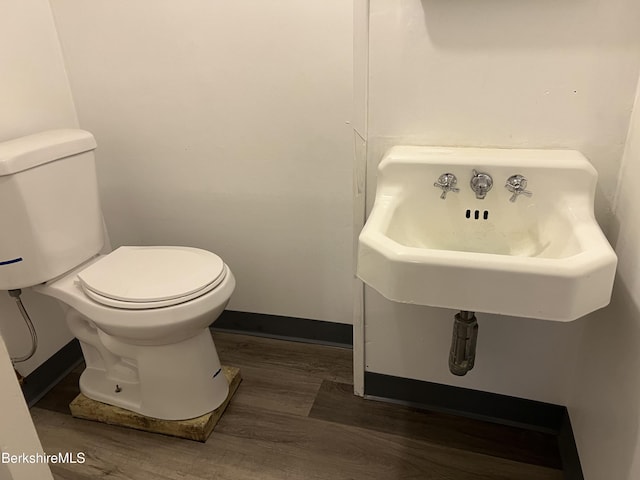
<point x="50" y="218"/>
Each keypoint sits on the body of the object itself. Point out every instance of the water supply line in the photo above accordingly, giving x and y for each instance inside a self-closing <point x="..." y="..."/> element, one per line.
<point x="463" y="343"/>
<point x="34" y="337"/>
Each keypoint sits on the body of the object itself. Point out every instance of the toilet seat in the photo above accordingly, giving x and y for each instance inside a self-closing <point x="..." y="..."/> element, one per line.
<point x="151" y="277"/>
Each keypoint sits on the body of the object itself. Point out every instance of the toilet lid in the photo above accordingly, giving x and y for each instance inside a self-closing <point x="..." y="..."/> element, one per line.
<point x="147" y="277"/>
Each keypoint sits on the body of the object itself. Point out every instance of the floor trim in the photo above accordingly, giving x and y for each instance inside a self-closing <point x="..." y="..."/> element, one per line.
<point x="286" y="328"/>
<point x="569" y="450"/>
<point x="492" y="407"/>
<point x="46" y="376"/>
<point x="519" y="412"/>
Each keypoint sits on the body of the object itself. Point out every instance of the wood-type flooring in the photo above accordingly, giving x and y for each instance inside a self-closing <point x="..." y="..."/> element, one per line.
<point x="295" y="417"/>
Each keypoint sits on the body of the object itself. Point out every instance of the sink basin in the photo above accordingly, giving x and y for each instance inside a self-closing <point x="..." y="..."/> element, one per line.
<point x="539" y="256"/>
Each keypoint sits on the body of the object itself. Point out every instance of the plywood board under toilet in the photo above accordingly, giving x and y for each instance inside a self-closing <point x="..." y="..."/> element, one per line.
<point x="199" y="428"/>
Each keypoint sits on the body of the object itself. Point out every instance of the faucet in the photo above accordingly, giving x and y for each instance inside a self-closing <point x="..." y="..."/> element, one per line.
<point x="481" y="183"/>
<point x="447" y="182"/>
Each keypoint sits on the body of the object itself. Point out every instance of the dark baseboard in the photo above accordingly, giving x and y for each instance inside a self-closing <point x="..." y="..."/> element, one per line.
<point x="475" y="404"/>
<point x="287" y="328"/>
<point x="46" y="376"/>
<point x="569" y="451"/>
<point x="492" y="407"/>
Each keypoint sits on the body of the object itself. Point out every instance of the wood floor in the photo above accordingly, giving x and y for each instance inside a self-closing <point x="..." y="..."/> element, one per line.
<point x="295" y="417"/>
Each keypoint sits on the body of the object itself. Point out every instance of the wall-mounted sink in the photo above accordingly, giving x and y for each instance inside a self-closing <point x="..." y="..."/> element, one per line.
<point x="533" y="249"/>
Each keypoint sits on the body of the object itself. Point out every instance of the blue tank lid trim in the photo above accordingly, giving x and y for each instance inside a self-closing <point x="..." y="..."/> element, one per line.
<point x="9" y="262"/>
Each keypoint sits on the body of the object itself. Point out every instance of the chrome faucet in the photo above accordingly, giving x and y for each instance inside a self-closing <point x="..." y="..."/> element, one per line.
<point x="481" y="183"/>
<point x="517" y="185"/>
<point x="447" y="182"/>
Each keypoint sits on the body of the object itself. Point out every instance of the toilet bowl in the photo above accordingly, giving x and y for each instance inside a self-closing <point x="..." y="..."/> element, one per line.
<point x="153" y="356"/>
<point x="151" y="325"/>
<point x="141" y="314"/>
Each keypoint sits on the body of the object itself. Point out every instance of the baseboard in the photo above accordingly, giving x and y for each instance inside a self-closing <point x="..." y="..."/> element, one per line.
<point x="569" y="450"/>
<point x="476" y="404"/>
<point x="46" y="376"/>
<point x="286" y="328"/>
<point x="492" y="407"/>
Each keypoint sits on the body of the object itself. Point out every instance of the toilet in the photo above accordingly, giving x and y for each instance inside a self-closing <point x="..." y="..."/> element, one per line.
<point x="141" y="313"/>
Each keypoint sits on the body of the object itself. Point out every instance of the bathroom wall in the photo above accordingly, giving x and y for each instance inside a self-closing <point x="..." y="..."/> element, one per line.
<point x="34" y="95"/>
<point x="226" y="126"/>
<point x="508" y="74"/>
<point x="605" y="404"/>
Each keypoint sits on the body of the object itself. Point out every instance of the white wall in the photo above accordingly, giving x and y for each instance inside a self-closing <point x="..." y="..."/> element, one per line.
<point x="225" y="125"/>
<point x="34" y="92"/>
<point x="34" y="96"/>
<point x="605" y="405"/>
<point x="508" y="74"/>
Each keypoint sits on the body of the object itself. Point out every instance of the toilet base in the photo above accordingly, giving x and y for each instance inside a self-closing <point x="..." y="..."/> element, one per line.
<point x="198" y="429"/>
<point x="177" y="381"/>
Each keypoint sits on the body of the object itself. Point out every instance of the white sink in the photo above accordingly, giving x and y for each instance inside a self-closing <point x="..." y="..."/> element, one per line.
<point x="540" y="256"/>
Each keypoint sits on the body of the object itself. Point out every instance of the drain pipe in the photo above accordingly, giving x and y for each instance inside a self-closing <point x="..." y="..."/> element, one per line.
<point x="463" y="343"/>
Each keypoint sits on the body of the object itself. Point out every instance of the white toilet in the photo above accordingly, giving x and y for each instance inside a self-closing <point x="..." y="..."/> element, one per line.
<point x="141" y="314"/>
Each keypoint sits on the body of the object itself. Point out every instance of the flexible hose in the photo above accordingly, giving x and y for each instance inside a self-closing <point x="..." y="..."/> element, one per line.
<point x="34" y="337"/>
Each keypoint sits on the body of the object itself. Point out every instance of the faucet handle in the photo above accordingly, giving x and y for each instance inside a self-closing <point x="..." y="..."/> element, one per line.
<point x="517" y="185"/>
<point x="447" y="182"/>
